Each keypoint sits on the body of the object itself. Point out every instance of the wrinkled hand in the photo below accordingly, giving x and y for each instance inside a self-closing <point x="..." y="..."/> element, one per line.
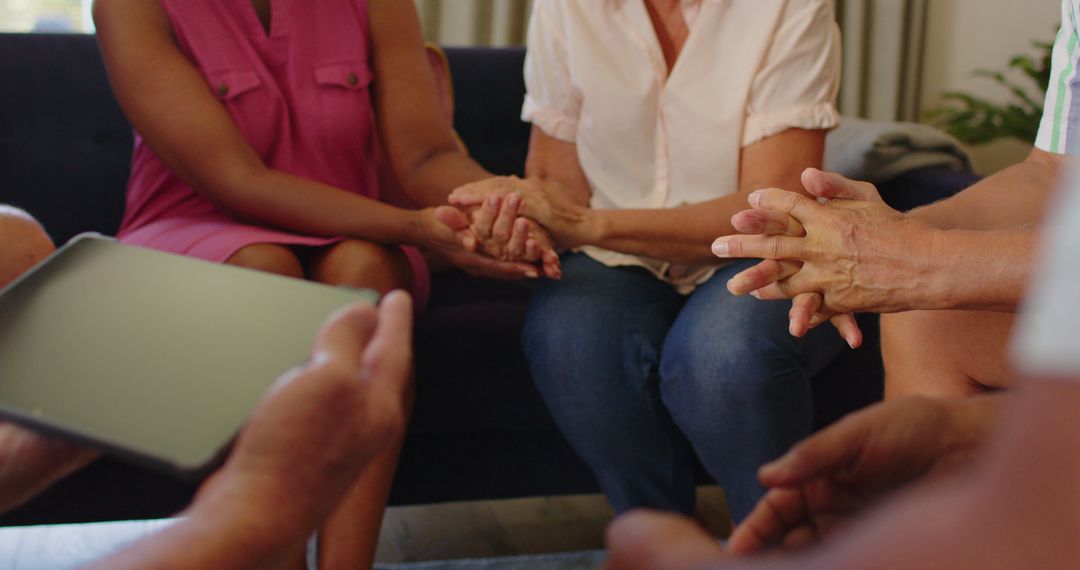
<point x="652" y="540"/>
<point x="806" y="308"/>
<point x="858" y="253"/>
<point x="447" y="233"/>
<point x="547" y="202"/>
<point x="505" y="235"/>
<point x="30" y="463"/>
<point x="838" y="472"/>
<point x="320" y="424"/>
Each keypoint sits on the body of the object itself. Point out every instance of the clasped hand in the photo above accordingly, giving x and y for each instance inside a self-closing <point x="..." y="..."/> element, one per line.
<point x="844" y="253"/>
<point x="517" y="220"/>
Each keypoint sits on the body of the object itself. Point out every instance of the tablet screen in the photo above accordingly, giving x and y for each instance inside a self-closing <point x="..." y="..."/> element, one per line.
<point x="151" y="355"/>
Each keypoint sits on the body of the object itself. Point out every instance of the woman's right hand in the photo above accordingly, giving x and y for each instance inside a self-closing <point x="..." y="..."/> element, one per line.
<point x="502" y="233"/>
<point x="549" y="203"/>
<point x="445" y="231"/>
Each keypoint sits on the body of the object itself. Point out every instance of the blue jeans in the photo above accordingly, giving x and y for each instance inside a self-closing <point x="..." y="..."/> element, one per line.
<point x="640" y="379"/>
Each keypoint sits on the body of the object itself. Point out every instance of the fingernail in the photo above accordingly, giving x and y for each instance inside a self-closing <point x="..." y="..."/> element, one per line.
<point x="754" y="198"/>
<point x="532" y="274"/>
<point x="720" y="248"/>
<point x="755" y="295"/>
<point x="791" y="328"/>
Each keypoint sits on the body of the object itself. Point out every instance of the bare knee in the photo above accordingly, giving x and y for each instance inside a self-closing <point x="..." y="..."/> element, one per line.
<point x="945" y="353"/>
<point x="358" y="263"/>
<point x="268" y="257"/>
<point x="24" y="243"/>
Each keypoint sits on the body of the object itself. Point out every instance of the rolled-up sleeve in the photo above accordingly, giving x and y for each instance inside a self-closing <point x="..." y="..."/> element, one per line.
<point x="1059" y="128"/>
<point x="799" y="79"/>
<point x="552" y="103"/>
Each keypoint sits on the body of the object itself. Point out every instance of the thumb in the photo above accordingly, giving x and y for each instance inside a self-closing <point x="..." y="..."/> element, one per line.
<point x="388" y="356"/>
<point x="452" y="217"/>
<point x="831" y="185"/>
<point x="343" y="336"/>
<point x="458" y="223"/>
<point x="823" y="454"/>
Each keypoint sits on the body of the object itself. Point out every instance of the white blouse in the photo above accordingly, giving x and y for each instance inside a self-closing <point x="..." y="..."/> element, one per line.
<point x="595" y="76"/>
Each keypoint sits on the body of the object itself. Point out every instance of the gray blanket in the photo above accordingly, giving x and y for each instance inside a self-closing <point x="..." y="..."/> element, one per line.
<point x="881" y="151"/>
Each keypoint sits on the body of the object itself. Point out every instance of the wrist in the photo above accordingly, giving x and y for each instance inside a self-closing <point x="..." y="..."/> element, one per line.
<point x="255" y="513"/>
<point x="594" y="227"/>
<point x="937" y="263"/>
<point x="417" y="227"/>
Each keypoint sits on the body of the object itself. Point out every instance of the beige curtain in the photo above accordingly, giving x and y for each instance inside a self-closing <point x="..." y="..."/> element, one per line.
<point x="883" y="58"/>
<point x="475" y="22"/>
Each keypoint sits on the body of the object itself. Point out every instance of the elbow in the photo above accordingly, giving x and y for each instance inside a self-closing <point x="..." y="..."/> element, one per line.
<point x="1054" y="164"/>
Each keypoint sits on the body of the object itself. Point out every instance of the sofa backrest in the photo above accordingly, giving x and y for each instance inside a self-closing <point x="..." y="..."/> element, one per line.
<point x="65" y="147"/>
<point x="489" y="89"/>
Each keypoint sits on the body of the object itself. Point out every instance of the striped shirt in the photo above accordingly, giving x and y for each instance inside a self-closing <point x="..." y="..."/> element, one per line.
<point x="1059" y="131"/>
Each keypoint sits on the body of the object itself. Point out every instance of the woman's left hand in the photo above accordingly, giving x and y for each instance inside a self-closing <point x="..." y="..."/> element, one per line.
<point x="30" y="463"/>
<point x="546" y="202"/>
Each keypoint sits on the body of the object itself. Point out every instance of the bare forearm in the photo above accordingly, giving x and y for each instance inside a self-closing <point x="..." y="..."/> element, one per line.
<point x="204" y="539"/>
<point x="985" y="270"/>
<point x="1025" y="487"/>
<point x="556" y="160"/>
<point x="674" y="234"/>
<point x="235" y="521"/>
<point x="431" y="181"/>
<point x="1014" y="197"/>
<point x="684" y="234"/>
<point x="302" y="205"/>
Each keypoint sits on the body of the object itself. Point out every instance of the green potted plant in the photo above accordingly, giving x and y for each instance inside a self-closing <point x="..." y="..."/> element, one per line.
<point x="975" y="120"/>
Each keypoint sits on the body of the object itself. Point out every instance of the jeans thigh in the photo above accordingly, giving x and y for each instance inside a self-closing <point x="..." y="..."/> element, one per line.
<point x="738" y="384"/>
<point x="593" y="341"/>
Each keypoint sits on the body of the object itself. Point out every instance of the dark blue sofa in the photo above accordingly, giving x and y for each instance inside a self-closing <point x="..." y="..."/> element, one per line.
<point x="479" y="429"/>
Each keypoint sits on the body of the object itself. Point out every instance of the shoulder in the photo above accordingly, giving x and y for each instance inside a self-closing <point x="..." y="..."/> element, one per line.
<point x="807" y="25"/>
<point x="809" y="11"/>
<point x="559" y="12"/>
<point x="557" y="20"/>
<point x="134" y="8"/>
<point x="146" y="14"/>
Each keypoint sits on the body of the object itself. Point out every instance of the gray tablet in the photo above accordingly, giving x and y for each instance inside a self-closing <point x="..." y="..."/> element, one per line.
<point x="151" y="356"/>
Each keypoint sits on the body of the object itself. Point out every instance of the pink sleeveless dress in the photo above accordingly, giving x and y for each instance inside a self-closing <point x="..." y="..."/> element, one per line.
<point x="300" y="97"/>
